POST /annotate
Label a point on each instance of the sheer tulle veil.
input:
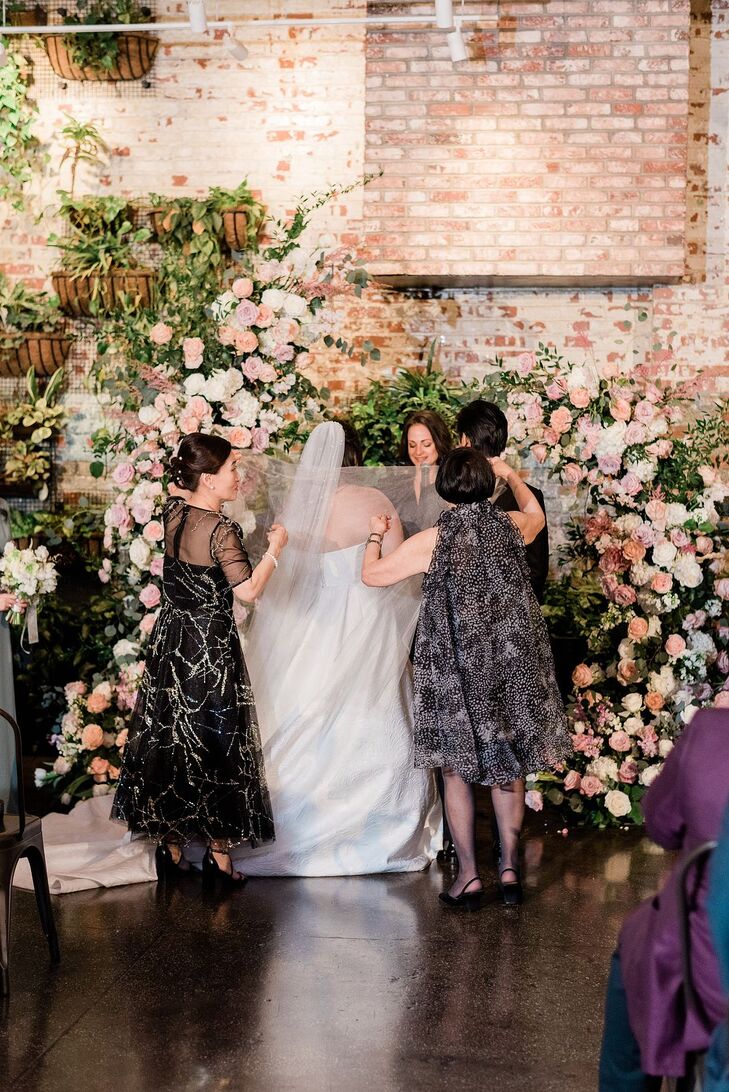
(326, 509)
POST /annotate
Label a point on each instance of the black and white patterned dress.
(193, 766)
(486, 698)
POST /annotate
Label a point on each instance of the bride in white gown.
(329, 664)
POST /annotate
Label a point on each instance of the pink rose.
(612, 560)
(246, 341)
(722, 662)
(561, 420)
(609, 464)
(265, 316)
(628, 771)
(121, 739)
(620, 741)
(634, 434)
(656, 511)
(267, 373)
(74, 690)
(580, 397)
(156, 567)
(633, 550)
(142, 511)
(572, 781)
(104, 575)
(707, 474)
(624, 595)
(533, 413)
(150, 596)
(627, 671)
(695, 620)
(246, 313)
(591, 785)
(555, 390)
(160, 333)
(662, 583)
(189, 423)
(192, 349)
(660, 448)
(250, 367)
(242, 287)
(97, 703)
(533, 800)
(284, 353)
(98, 765)
(526, 363)
(240, 437)
(199, 406)
(122, 474)
(679, 538)
(637, 629)
(92, 737)
(645, 411)
(582, 676)
(539, 451)
(620, 409)
(226, 335)
(156, 470)
(721, 587)
(153, 531)
(147, 623)
(551, 436)
(721, 701)
(572, 474)
(675, 645)
(704, 544)
(631, 484)
(259, 439)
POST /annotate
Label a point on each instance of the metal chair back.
(18, 748)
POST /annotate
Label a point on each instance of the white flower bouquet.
(29, 575)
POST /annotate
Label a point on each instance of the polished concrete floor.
(363, 985)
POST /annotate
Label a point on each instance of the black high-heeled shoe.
(212, 872)
(166, 864)
(511, 892)
(467, 900)
(447, 855)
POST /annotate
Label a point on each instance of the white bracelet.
(273, 559)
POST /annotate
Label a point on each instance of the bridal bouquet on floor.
(30, 575)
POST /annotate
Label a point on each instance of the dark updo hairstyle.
(352, 454)
(198, 453)
(437, 428)
(484, 426)
(464, 477)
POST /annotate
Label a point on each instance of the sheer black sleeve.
(227, 549)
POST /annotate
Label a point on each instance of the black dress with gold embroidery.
(193, 766)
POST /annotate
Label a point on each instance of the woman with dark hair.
(426, 440)
(192, 764)
(487, 705)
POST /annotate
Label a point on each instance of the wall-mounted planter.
(235, 228)
(136, 54)
(81, 297)
(29, 17)
(137, 283)
(45, 353)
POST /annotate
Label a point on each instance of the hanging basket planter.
(136, 56)
(45, 353)
(135, 283)
(30, 17)
(78, 296)
(235, 228)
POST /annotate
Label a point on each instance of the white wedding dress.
(337, 741)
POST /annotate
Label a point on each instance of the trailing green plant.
(381, 410)
(22, 309)
(20, 150)
(100, 51)
(84, 144)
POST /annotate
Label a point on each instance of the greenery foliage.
(22, 309)
(100, 51)
(20, 150)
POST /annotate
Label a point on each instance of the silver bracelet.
(273, 559)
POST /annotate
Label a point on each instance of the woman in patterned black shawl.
(193, 767)
(487, 706)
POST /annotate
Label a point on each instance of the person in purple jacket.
(648, 1032)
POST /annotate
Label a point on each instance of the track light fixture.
(456, 44)
(236, 49)
(197, 15)
(444, 15)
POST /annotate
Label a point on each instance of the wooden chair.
(21, 836)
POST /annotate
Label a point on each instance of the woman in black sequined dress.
(193, 767)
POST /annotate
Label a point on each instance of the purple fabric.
(683, 808)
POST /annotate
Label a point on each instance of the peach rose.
(242, 287)
(539, 451)
(627, 671)
(675, 645)
(246, 342)
(154, 531)
(265, 316)
(121, 739)
(114, 772)
(560, 420)
(192, 350)
(150, 596)
(92, 737)
(704, 544)
(97, 703)
(721, 701)
(147, 624)
(226, 335)
(240, 437)
(654, 701)
(721, 587)
(582, 676)
(591, 785)
(634, 551)
(656, 511)
(572, 474)
(662, 583)
(637, 629)
(580, 397)
(620, 409)
(572, 781)
(98, 765)
(160, 333)
(620, 741)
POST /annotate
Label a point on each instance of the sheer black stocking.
(508, 804)
(461, 813)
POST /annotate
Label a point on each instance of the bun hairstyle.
(199, 453)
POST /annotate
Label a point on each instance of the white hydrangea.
(125, 648)
(702, 642)
(274, 298)
(611, 440)
(194, 384)
(663, 681)
(295, 306)
(618, 803)
(688, 571)
(641, 574)
(676, 514)
(605, 768)
(644, 469)
(246, 409)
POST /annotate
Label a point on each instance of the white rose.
(649, 774)
(149, 415)
(39, 776)
(66, 799)
(61, 766)
(140, 553)
(664, 554)
(629, 522)
(247, 522)
(125, 648)
(626, 649)
(665, 747)
(618, 803)
(294, 305)
(223, 305)
(641, 574)
(687, 571)
(632, 725)
(688, 714)
(194, 384)
(676, 514)
(654, 626)
(632, 702)
(274, 298)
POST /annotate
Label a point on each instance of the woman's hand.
(278, 536)
(380, 525)
(501, 468)
(11, 602)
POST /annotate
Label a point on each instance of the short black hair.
(464, 477)
(484, 426)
